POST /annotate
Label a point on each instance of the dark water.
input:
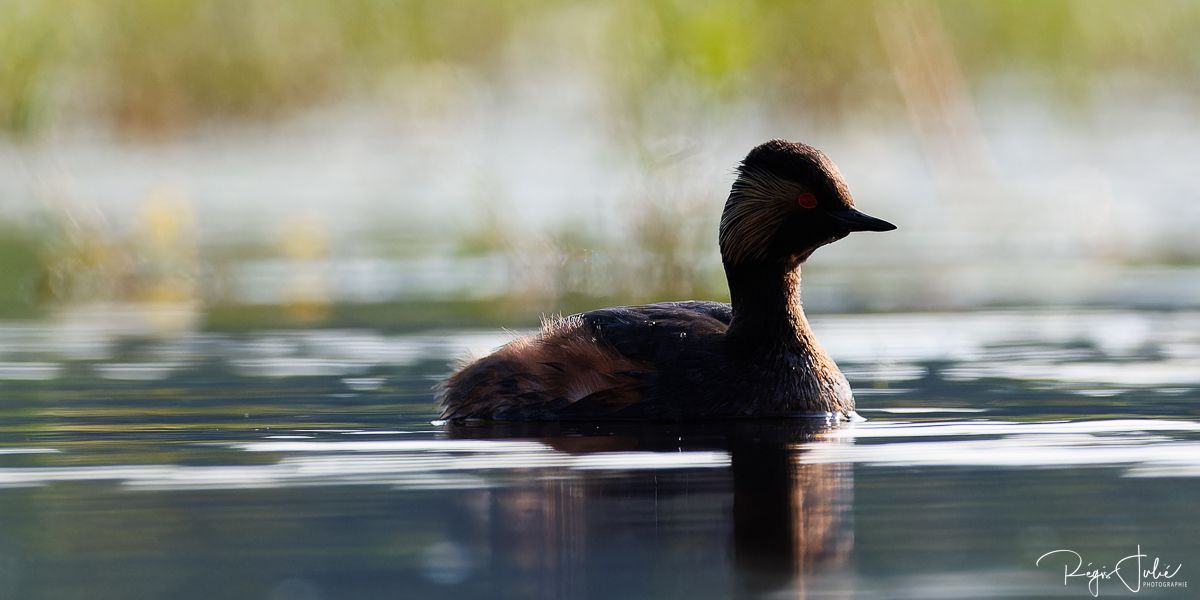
(305, 465)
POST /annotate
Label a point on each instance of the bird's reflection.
(787, 527)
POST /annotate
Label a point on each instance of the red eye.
(806, 200)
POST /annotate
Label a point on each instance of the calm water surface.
(305, 465)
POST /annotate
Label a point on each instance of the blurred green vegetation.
(63, 259)
(153, 68)
(148, 66)
(21, 271)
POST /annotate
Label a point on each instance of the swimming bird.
(754, 357)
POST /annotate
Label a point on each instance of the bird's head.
(788, 200)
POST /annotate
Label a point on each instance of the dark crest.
(801, 164)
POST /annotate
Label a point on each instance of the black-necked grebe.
(755, 357)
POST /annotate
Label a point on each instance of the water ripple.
(417, 464)
(1122, 443)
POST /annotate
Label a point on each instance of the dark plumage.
(755, 357)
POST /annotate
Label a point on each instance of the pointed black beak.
(857, 221)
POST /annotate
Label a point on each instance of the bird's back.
(643, 361)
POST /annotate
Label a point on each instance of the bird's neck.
(767, 315)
